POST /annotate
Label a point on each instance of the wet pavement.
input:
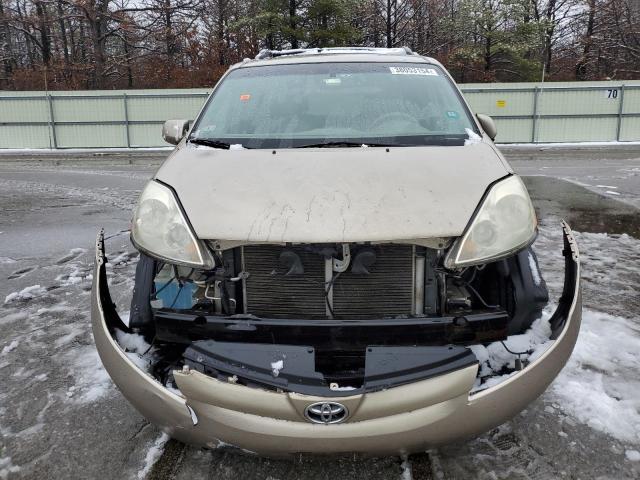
(60, 416)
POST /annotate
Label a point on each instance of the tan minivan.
(335, 258)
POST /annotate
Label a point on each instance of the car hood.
(331, 194)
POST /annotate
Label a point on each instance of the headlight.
(504, 223)
(160, 228)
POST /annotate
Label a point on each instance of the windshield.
(334, 104)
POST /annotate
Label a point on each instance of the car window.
(307, 104)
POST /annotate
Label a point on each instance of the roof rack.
(265, 53)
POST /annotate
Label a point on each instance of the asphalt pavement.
(60, 416)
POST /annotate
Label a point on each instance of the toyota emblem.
(326, 412)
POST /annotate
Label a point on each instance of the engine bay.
(334, 319)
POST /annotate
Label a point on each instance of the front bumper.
(402, 419)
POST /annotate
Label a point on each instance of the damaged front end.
(370, 347)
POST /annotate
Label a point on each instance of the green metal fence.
(560, 112)
(524, 113)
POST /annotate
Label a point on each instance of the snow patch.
(74, 331)
(73, 253)
(137, 349)
(543, 146)
(571, 180)
(495, 358)
(139, 361)
(406, 468)
(98, 150)
(13, 317)
(236, 146)
(58, 308)
(153, 454)
(473, 137)
(132, 342)
(76, 276)
(632, 455)
(91, 379)
(599, 384)
(26, 293)
(12, 346)
(7, 467)
(6, 260)
(276, 367)
(123, 258)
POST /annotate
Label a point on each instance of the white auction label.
(413, 71)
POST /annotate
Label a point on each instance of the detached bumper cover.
(403, 419)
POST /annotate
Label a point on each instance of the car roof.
(335, 54)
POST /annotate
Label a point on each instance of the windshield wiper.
(347, 144)
(209, 142)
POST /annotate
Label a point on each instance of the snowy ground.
(60, 416)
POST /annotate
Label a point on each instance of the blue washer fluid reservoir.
(173, 296)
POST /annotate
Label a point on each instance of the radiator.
(386, 291)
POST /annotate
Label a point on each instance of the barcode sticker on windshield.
(413, 71)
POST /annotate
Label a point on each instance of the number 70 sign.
(611, 93)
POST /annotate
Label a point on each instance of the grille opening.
(344, 367)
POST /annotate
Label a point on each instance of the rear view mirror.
(488, 125)
(174, 130)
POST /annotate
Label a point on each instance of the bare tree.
(154, 43)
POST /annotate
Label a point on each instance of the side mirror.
(174, 130)
(488, 125)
